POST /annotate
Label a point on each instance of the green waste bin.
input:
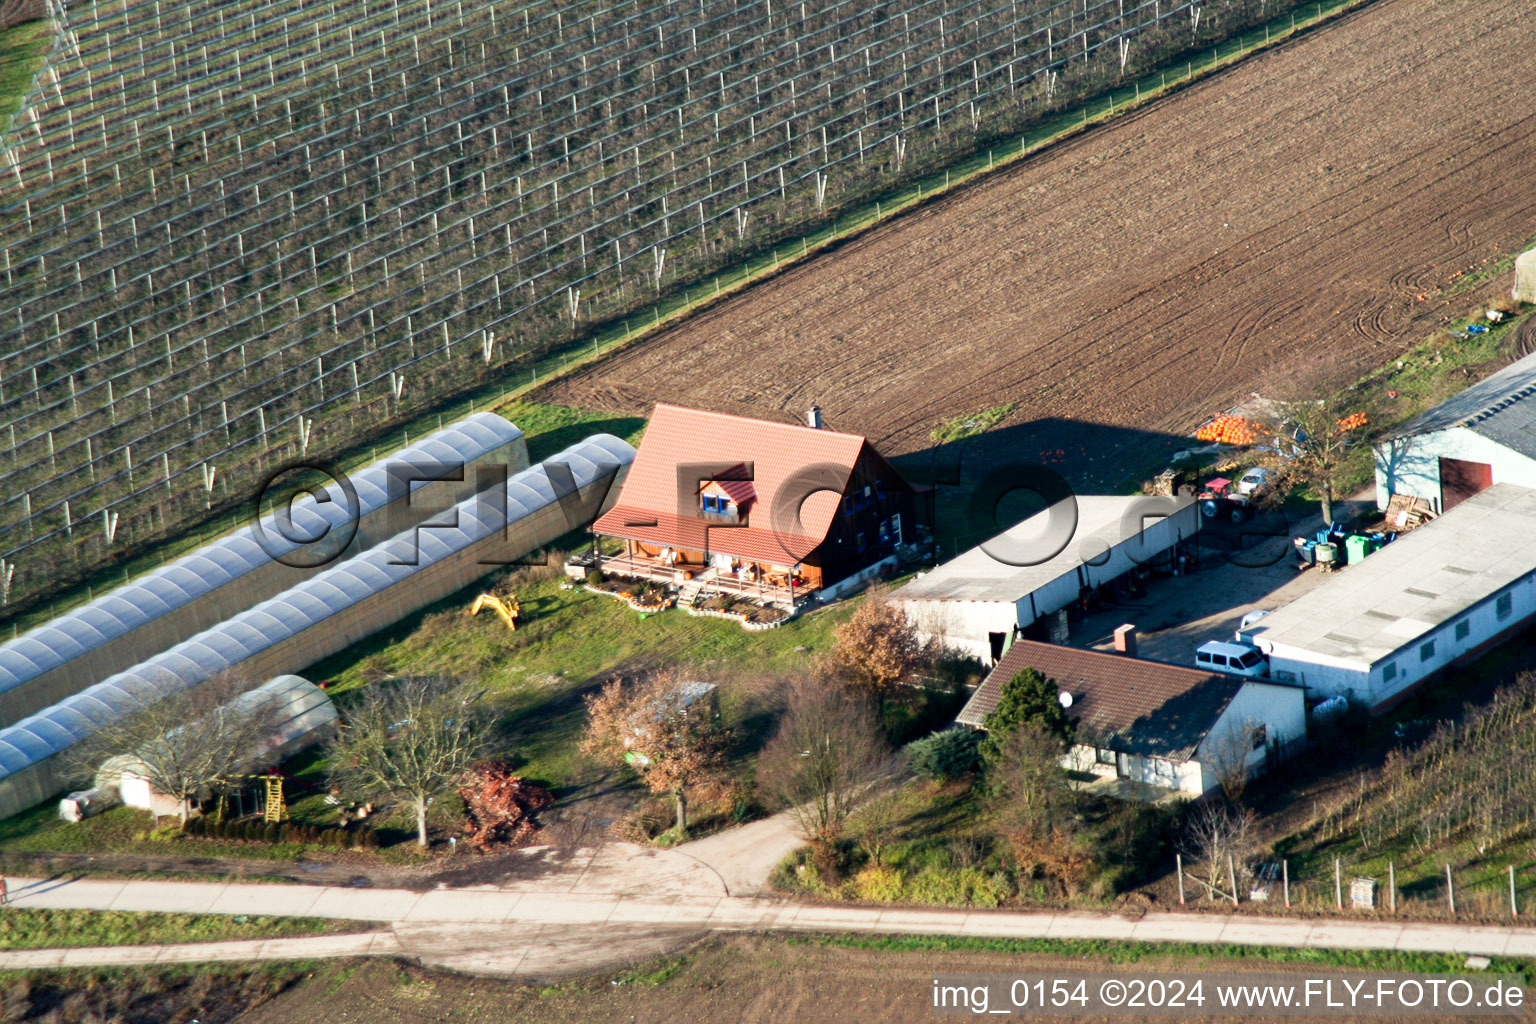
(1356, 547)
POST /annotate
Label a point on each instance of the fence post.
(1178, 860)
(1392, 886)
(1514, 908)
(1450, 891)
(1338, 886)
(1285, 880)
(1232, 879)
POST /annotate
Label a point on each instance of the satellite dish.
(1064, 699)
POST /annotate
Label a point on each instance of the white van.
(1234, 659)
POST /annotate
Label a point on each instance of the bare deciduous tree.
(672, 741)
(409, 739)
(875, 823)
(1228, 755)
(1325, 425)
(1217, 831)
(828, 748)
(186, 742)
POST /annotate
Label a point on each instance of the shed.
(1033, 571)
(1482, 436)
(1173, 728)
(304, 716)
(1446, 591)
(334, 608)
(224, 577)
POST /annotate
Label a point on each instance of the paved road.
(546, 933)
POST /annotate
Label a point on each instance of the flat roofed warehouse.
(223, 578)
(1043, 564)
(332, 609)
(1382, 626)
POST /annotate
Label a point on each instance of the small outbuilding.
(1028, 576)
(1471, 441)
(302, 715)
(1175, 729)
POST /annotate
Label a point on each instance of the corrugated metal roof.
(172, 586)
(1127, 704)
(659, 500)
(1420, 581)
(304, 605)
(1501, 407)
(989, 571)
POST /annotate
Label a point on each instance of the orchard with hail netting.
(241, 232)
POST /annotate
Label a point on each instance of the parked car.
(1256, 482)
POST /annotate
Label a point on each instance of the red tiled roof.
(739, 491)
(1132, 705)
(791, 465)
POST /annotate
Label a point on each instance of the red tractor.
(1222, 500)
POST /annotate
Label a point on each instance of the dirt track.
(1151, 272)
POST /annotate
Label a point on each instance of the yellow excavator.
(508, 608)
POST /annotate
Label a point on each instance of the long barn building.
(1435, 597)
(333, 608)
(132, 622)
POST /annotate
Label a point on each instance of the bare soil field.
(1317, 203)
(746, 978)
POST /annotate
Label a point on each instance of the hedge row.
(256, 831)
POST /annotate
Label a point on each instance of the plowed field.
(1308, 205)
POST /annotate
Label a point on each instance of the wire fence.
(272, 228)
(1486, 892)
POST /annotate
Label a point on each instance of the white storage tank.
(1525, 277)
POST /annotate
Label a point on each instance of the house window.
(1389, 672)
(1427, 651)
(711, 503)
(1503, 605)
(859, 540)
(1462, 629)
(1103, 755)
(1260, 736)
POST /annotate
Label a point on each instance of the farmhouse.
(1173, 728)
(774, 511)
(1482, 436)
(1447, 590)
(1028, 576)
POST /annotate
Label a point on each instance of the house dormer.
(727, 500)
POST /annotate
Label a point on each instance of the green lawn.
(22, 928)
(569, 642)
(22, 48)
(551, 428)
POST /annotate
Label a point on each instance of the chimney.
(1125, 640)
(813, 418)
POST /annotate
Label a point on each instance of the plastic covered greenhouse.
(225, 577)
(333, 609)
